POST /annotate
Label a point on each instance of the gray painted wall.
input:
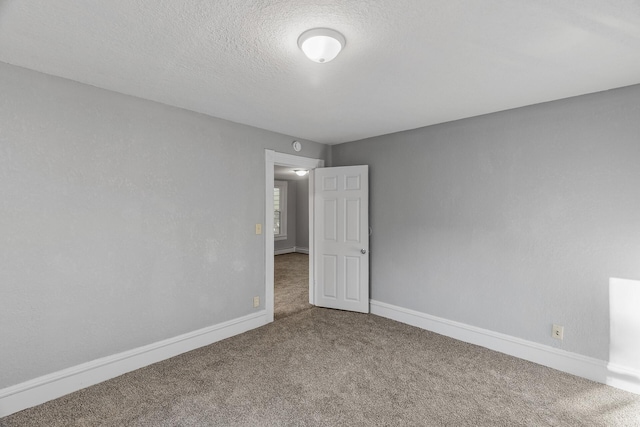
(510, 221)
(302, 213)
(297, 215)
(119, 224)
(290, 241)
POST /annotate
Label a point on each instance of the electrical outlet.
(256, 302)
(258, 228)
(557, 332)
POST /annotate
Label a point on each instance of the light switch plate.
(258, 228)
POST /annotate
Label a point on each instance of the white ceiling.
(288, 173)
(407, 63)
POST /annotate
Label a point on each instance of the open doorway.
(273, 159)
(291, 240)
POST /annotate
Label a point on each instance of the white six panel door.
(341, 233)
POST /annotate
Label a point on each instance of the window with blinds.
(280, 210)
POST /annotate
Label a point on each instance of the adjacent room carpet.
(323, 367)
(291, 284)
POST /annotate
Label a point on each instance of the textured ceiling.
(407, 63)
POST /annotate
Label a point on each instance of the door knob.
(363, 251)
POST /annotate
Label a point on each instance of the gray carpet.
(334, 368)
(291, 284)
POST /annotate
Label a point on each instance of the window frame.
(283, 186)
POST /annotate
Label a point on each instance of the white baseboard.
(586, 367)
(284, 251)
(57, 384)
(296, 249)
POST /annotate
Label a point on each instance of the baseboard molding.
(284, 251)
(296, 249)
(586, 367)
(57, 384)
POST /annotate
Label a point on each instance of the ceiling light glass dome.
(321, 44)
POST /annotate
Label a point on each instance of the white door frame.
(273, 158)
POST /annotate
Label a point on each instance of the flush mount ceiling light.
(321, 44)
(301, 172)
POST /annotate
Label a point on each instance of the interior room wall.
(120, 225)
(302, 213)
(292, 198)
(510, 221)
(297, 216)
